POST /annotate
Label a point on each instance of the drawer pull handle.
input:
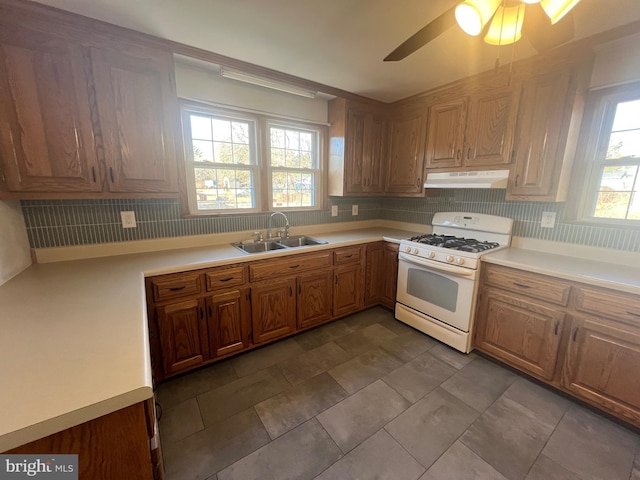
(555, 329)
(290, 292)
(226, 279)
(633, 314)
(521, 285)
(348, 256)
(294, 266)
(176, 289)
(575, 334)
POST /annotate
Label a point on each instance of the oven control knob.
(408, 249)
(416, 251)
(432, 254)
(460, 261)
(449, 258)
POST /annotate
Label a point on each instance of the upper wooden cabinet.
(472, 131)
(46, 137)
(83, 115)
(358, 134)
(137, 105)
(406, 152)
(549, 117)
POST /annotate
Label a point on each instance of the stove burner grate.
(454, 243)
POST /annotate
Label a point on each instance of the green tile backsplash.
(54, 223)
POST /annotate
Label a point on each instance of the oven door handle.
(437, 266)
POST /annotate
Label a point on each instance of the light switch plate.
(548, 220)
(128, 219)
(334, 210)
(354, 209)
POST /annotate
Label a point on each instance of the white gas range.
(437, 274)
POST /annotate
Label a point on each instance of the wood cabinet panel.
(225, 277)
(374, 276)
(176, 285)
(137, 110)
(347, 255)
(389, 274)
(227, 313)
(445, 137)
(530, 284)
(519, 331)
(406, 153)
(375, 140)
(273, 309)
(355, 148)
(278, 267)
(314, 298)
(601, 365)
(348, 295)
(617, 305)
(46, 138)
(183, 335)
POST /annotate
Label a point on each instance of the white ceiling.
(340, 43)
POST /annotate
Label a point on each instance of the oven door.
(441, 291)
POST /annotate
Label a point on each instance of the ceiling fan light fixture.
(506, 26)
(473, 15)
(556, 9)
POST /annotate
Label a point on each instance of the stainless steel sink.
(277, 244)
(258, 247)
(300, 241)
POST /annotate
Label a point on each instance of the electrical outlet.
(354, 209)
(334, 210)
(548, 220)
(128, 219)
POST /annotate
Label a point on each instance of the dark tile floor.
(369, 397)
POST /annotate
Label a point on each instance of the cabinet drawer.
(608, 303)
(530, 284)
(288, 265)
(177, 285)
(224, 277)
(344, 256)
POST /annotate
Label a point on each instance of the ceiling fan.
(500, 22)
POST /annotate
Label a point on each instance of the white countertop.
(624, 278)
(74, 343)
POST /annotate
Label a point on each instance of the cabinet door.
(389, 274)
(227, 315)
(183, 335)
(46, 137)
(406, 158)
(314, 298)
(348, 286)
(375, 139)
(520, 332)
(355, 150)
(602, 365)
(374, 276)
(490, 129)
(273, 309)
(445, 136)
(539, 150)
(137, 109)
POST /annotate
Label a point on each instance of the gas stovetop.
(454, 243)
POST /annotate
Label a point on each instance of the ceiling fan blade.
(541, 34)
(432, 30)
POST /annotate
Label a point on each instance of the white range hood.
(475, 179)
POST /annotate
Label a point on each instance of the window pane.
(292, 159)
(306, 160)
(277, 137)
(240, 132)
(200, 127)
(221, 188)
(277, 157)
(627, 116)
(241, 154)
(293, 140)
(296, 146)
(616, 197)
(624, 144)
(223, 152)
(306, 141)
(293, 189)
(202, 151)
(221, 130)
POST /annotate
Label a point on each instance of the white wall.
(617, 62)
(15, 254)
(197, 80)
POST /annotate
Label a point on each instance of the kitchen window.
(611, 157)
(239, 162)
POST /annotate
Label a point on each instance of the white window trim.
(263, 189)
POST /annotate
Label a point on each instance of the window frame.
(263, 189)
(587, 171)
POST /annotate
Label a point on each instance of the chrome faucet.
(286, 225)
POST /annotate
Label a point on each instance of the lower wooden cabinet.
(183, 335)
(602, 363)
(519, 331)
(228, 323)
(348, 294)
(389, 274)
(547, 333)
(314, 299)
(273, 309)
(374, 274)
